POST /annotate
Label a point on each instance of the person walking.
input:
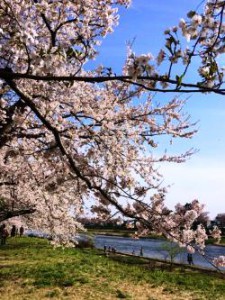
(3, 234)
(13, 231)
(190, 259)
(21, 230)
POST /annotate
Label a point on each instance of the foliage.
(171, 250)
(84, 241)
(220, 219)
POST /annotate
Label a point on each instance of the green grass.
(31, 269)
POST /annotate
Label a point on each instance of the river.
(156, 248)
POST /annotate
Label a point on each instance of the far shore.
(130, 233)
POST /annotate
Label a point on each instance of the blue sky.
(203, 176)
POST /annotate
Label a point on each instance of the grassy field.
(31, 269)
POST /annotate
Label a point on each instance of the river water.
(156, 248)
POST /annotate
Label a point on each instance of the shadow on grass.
(61, 275)
(23, 243)
(128, 260)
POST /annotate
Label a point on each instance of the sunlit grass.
(31, 269)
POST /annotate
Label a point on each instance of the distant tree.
(170, 251)
(203, 218)
(220, 220)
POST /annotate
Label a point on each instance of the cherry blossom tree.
(70, 136)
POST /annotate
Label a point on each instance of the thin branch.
(7, 74)
(5, 215)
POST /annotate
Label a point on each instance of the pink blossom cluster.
(219, 261)
(216, 233)
(136, 66)
(204, 34)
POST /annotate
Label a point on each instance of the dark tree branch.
(6, 74)
(7, 214)
(8, 127)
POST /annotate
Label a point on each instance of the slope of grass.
(31, 269)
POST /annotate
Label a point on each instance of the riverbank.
(31, 269)
(158, 249)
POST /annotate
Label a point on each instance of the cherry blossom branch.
(5, 74)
